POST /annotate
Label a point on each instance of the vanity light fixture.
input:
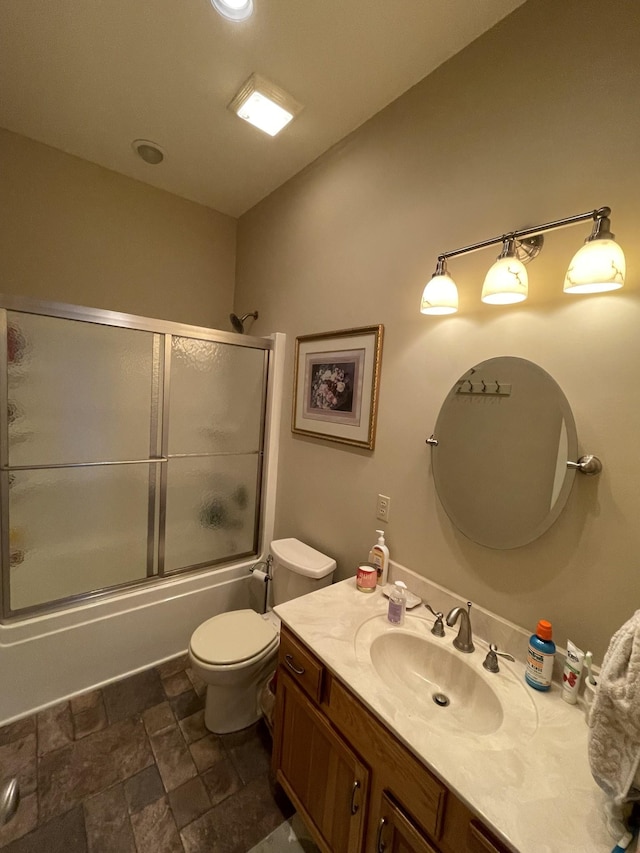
(507, 280)
(440, 296)
(264, 105)
(233, 10)
(597, 267)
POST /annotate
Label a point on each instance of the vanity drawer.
(301, 665)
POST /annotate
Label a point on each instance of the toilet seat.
(234, 638)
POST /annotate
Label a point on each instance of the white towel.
(614, 736)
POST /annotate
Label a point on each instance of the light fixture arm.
(601, 227)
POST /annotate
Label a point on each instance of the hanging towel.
(614, 736)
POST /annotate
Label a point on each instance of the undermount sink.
(432, 680)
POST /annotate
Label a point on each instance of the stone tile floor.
(131, 768)
(292, 836)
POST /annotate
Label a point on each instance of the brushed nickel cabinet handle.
(354, 805)
(288, 659)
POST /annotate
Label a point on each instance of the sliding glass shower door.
(216, 405)
(130, 449)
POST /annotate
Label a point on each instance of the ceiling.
(90, 76)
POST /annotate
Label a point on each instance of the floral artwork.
(336, 385)
(332, 387)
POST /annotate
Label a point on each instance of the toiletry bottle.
(571, 673)
(540, 656)
(397, 603)
(379, 556)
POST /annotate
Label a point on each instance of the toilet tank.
(298, 569)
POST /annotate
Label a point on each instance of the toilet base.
(230, 709)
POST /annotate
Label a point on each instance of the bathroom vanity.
(321, 729)
(371, 767)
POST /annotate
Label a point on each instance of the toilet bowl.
(235, 652)
(232, 653)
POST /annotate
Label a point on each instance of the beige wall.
(536, 120)
(75, 232)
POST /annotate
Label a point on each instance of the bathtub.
(47, 659)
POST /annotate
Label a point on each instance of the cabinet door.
(480, 840)
(325, 780)
(465, 833)
(397, 833)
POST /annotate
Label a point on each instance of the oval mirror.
(504, 435)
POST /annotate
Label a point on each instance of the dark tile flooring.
(131, 768)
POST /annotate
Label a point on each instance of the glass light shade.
(506, 282)
(596, 267)
(440, 296)
(234, 10)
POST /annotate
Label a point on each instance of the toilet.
(235, 652)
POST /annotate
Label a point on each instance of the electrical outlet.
(383, 508)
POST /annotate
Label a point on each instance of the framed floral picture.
(336, 385)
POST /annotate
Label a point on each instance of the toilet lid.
(233, 637)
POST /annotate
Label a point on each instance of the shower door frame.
(163, 332)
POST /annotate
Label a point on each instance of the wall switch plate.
(383, 507)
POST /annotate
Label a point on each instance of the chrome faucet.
(464, 641)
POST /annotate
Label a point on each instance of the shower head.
(238, 322)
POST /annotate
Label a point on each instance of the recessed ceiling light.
(233, 10)
(264, 105)
(148, 151)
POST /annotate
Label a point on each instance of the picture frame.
(336, 385)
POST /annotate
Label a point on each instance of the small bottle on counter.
(379, 557)
(366, 577)
(397, 603)
(542, 650)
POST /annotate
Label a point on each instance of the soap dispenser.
(397, 603)
(379, 556)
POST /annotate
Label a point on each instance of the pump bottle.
(379, 556)
(397, 603)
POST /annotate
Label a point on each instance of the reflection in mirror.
(504, 435)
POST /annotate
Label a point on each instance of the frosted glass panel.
(78, 392)
(211, 509)
(216, 397)
(74, 530)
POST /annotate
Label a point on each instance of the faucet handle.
(491, 661)
(438, 625)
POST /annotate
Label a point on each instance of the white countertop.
(532, 786)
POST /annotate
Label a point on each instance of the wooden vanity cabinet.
(357, 787)
(322, 775)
